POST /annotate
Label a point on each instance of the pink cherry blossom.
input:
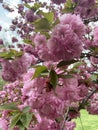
(96, 36)
(93, 107)
(13, 69)
(3, 124)
(75, 22)
(64, 43)
(48, 106)
(29, 15)
(70, 126)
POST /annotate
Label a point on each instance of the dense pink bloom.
(48, 106)
(64, 43)
(2, 94)
(71, 81)
(86, 8)
(70, 125)
(45, 54)
(29, 16)
(84, 2)
(88, 44)
(93, 107)
(34, 84)
(39, 40)
(8, 73)
(29, 49)
(75, 23)
(41, 48)
(11, 92)
(13, 69)
(83, 90)
(47, 124)
(69, 92)
(35, 96)
(29, 93)
(94, 60)
(96, 36)
(32, 88)
(3, 124)
(27, 77)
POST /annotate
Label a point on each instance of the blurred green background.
(87, 121)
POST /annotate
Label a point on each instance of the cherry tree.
(53, 73)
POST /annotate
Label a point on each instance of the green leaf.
(64, 63)
(6, 55)
(14, 120)
(39, 70)
(28, 6)
(77, 64)
(26, 119)
(36, 6)
(26, 109)
(49, 16)
(57, 21)
(53, 78)
(28, 41)
(44, 74)
(42, 25)
(9, 106)
(23, 119)
(94, 77)
(11, 54)
(20, 125)
(16, 53)
(69, 6)
(46, 34)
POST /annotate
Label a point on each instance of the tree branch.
(64, 119)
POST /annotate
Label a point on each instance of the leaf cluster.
(19, 118)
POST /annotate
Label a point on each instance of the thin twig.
(86, 99)
(91, 19)
(64, 119)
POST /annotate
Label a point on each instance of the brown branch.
(64, 119)
(87, 98)
(92, 19)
